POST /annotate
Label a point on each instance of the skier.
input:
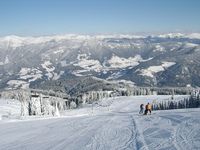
(141, 109)
(147, 108)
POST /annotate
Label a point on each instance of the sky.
(46, 17)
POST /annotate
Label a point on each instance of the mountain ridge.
(156, 60)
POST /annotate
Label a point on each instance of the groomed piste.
(111, 124)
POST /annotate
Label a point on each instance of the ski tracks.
(157, 134)
(186, 131)
(170, 131)
(187, 134)
(139, 138)
(117, 133)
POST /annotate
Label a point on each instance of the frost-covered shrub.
(57, 113)
(73, 105)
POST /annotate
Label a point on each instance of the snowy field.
(9, 109)
(112, 124)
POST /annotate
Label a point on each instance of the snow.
(78, 72)
(191, 45)
(18, 83)
(30, 74)
(126, 82)
(88, 64)
(166, 64)
(17, 41)
(47, 65)
(9, 108)
(194, 36)
(115, 75)
(24, 71)
(118, 36)
(172, 35)
(118, 45)
(159, 48)
(112, 124)
(57, 76)
(120, 62)
(150, 71)
(116, 62)
(145, 60)
(12, 40)
(82, 56)
(64, 63)
(6, 61)
(60, 50)
(179, 35)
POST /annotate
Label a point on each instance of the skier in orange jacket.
(147, 108)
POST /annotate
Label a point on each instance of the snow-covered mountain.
(65, 60)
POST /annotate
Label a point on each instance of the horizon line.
(103, 33)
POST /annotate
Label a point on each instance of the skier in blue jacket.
(141, 109)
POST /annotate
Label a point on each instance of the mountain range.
(62, 62)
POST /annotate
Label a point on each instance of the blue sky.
(45, 17)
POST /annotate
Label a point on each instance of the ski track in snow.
(171, 132)
(119, 127)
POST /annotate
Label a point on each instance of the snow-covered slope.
(155, 69)
(9, 109)
(109, 125)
